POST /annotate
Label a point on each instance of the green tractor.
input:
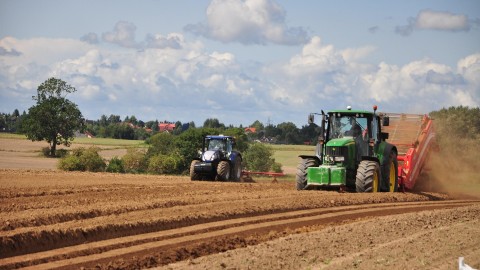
(351, 154)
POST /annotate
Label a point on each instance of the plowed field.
(52, 219)
(57, 220)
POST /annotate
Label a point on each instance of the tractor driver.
(355, 129)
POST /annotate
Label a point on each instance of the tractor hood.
(211, 155)
(340, 141)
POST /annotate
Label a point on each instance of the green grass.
(287, 155)
(12, 136)
(110, 142)
(85, 140)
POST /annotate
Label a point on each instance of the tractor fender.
(234, 155)
(371, 159)
(313, 157)
(384, 163)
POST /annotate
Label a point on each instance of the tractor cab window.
(229, 146)
(348, 125)
(214, 145)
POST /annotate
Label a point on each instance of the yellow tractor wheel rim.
(392, 177)
(375, 181)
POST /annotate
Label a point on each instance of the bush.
(59, 153)
(277, 167)
(134, 161)
(82, 159)
(92, 161)
(71, 163)
(258, 157)
(115, 165)
(164, 164)
(161, 143)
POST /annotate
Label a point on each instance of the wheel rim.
(375, 181)
(392, 177)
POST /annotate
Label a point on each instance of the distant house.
(166, 127)
(250, 130)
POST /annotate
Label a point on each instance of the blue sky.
(241, 60)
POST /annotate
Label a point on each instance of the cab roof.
(217, 137)
(351, 111)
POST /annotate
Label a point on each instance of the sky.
(241, 60)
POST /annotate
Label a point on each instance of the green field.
(90, 141)
(287, 155)
(110, 142)
(12, 136)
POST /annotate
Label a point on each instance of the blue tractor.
(218, 161)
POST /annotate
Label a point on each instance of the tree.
(54, 118)
(213, 123)
(258, 157)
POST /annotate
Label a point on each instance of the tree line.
(56, 119)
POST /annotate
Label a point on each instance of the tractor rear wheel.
(223, 171)
(391, 172)
(368, 176)
(193, 175)
(237, 170)
(302, 167)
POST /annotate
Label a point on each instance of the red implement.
(413, 135)
(247, 175)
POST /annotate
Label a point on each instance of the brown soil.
(53, 219)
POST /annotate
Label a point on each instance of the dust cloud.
(453, 167)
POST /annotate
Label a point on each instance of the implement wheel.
(368, 176)
(223, 171)
(193, 175)
(302, 167)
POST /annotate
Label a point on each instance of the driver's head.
(356, 129)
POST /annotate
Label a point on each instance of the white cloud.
(91, 38)
(173, 41)
(469, 67)
(123, 34)
(429, 19)
(435, 20)
(193, 83)
(315, 58)
(248, 22)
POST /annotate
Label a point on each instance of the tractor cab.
(217, 147)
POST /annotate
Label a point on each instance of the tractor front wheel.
(193, 175)
(368, 176)
(302, 167)
(223, 171)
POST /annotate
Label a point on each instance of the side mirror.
(385, 121)
(311, 118)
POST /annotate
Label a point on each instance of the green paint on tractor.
(352, 153)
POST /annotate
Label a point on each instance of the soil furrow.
(160, 242)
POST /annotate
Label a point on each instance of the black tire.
(302, 167)
(368, 176)
(193, 175)
(237, 170)
(223, 171)
(391, 173)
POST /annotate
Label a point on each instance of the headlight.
(339, 159)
